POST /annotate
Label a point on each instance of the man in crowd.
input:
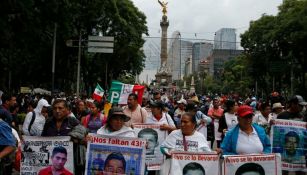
(8, 101)
(134, 110)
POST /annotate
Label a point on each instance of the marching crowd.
(229, 125)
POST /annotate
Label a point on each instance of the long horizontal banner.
(194, 163)
(261, 164)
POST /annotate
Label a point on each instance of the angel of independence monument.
(164, 76)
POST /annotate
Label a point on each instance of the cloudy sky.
(204, 17)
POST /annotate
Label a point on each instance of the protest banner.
(289, 139)
(108, 155)
(188, 163)
(154, 137)
(260, 164)
(37, 153)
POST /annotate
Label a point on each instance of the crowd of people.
(229, 124)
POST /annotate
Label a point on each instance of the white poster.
(41, 154)
(194, 163)
(258, 164)
(289, 139)
(154, 137)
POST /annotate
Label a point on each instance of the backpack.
(32, 121)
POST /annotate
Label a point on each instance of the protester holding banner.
(159, 117)
(295, 107)
(262, 118)
(229, 120)
(63, 125)
(115, 124)
(134, 110)
(186, 138)
(240, 138)
(95, 119)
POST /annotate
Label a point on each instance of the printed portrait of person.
(58, 160)
(193, 168)
(152, 139)
(290, 153)
(115, 163)
(250, 169)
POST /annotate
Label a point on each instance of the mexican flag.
(119, 92)
(98, 93)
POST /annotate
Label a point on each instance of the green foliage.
(275, 45)
(26, 39)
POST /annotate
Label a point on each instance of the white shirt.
(166, 119)
(231, 120)
(249, 144)
(260, 120)
(37, 126)
(195, 143)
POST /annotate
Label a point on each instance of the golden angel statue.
(163, 5)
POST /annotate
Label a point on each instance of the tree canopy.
(26, 38)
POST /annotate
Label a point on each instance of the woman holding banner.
(186, 138)
(246, 138)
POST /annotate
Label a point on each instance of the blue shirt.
(6, 135)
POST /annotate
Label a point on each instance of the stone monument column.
(164, 76)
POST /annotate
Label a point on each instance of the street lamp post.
(53, 56)
(79, 67)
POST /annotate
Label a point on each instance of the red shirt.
(48, 171)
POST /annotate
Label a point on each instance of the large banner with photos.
(194, 163)
(262, 164)
(154, 137)
(39, 154)
(108, 155)
(289, 138)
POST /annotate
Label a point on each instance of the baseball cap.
(244, 110)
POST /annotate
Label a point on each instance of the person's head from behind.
(250, 169)
(193, 168)
(116, 119)
(296, 104)
(152, 139)
(188, 123)
(59, 157)
(292, 140)
(60, 109)
(115, 163)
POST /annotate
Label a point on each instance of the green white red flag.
(119, 92)
(98, 93)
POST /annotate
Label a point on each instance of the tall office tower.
(225, 38)
(201, 50)
(178, 52)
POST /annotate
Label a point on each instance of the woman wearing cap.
(115, 124)
(157, 116)
(95, 119)
(246, 138)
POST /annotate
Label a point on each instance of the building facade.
(225, 38)
(201, 50)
